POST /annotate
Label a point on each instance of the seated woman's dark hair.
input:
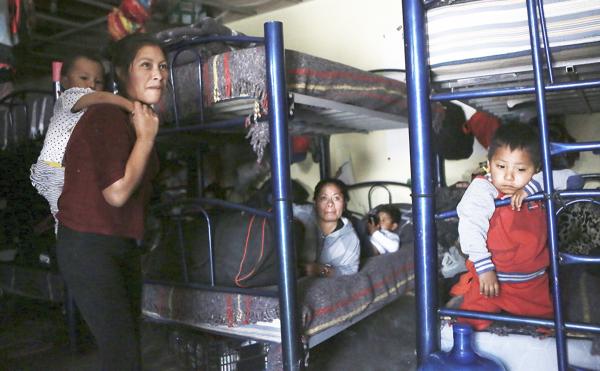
(123, 53)
(338, 183)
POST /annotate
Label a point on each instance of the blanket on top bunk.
(242, 74)
(324, 303)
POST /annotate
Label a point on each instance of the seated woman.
(338, 247)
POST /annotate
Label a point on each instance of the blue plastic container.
(462, 356)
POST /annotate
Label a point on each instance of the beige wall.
(366, 37)
(586, 128)
(371, 37)
(346, 31)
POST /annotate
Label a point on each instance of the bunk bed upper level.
(218, 75)
(500, 54)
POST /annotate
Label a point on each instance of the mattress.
(241, 75)
(327, 305)
(502, 40)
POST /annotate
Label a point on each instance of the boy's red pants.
(531, 298)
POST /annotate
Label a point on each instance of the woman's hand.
(145, 122)
(318, 270)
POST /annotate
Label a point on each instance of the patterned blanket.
(324, 302)
(241, 74)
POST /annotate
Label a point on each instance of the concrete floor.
(33, 337)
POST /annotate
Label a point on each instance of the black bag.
(451, 138)
(245, 255)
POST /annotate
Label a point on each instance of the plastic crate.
(201, 351)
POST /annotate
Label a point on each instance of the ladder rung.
(567, 259)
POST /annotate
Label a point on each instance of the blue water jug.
(462, 356)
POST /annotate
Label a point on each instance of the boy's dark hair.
(123, 53)
(338, 183)
(517, 136)
(392, 211)
(69, 61)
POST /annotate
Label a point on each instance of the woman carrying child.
(109, 163)
(82, 77)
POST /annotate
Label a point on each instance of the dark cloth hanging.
(452, 139)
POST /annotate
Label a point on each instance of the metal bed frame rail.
(329, 117)
(282, 209)
(310, 114)
(417, 79)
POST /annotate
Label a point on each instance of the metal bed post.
(561, 345)
(200, 174)
(278, 114)
(440, 170)
(325, 160)
(417, 83)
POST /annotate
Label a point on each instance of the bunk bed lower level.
(327, 305)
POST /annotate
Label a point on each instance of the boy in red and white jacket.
(506, 247)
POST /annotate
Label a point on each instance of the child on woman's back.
(382, 228)
(506, 247)
(81, 76)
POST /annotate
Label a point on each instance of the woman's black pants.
(103, 275)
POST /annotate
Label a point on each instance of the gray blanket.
(324, 302)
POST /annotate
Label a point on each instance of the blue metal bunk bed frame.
(282, 208)
(417, 79)
(280, 109)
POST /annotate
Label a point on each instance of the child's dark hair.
(70, 60)
(392, 211)
(123, 53)
(338, 183)
(517, 136)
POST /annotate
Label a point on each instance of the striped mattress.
(486, 37)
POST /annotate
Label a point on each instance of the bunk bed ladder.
(417, 76)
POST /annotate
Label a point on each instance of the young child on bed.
(81, 76)
(506, 247)
(382, 229)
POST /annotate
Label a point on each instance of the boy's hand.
(516, 200)
(145, 121)
(488, 284)
(372, 227)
